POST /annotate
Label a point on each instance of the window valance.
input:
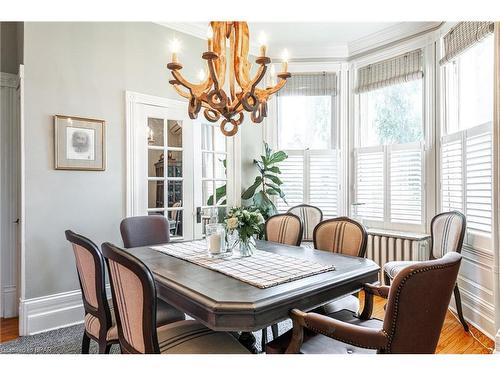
(310, 84)
(398, 69)
(462, 36)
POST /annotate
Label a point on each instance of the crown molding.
(379, 39)
(390, 34)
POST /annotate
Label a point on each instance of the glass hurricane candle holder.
(216, 240)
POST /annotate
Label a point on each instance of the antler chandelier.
(244, 95)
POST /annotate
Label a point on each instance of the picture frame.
(79, 143)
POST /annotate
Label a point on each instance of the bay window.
(466, 143)
(307, 132)
(389, 143)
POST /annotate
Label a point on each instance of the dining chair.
(310, 216)
(345, 236)
(99, 320)
(134, 293)
(447, 235)
(416, 308)
(150, 230)
(284, 228)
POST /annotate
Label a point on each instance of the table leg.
(247, 339)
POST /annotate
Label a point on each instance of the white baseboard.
(9, 302)
(46, 313)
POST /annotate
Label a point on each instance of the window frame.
(340, 120)
(473, 239)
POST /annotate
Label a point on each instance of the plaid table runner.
(263, 269)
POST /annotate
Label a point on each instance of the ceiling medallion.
(244, 95)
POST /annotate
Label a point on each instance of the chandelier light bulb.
(284, 57)
(263, 43)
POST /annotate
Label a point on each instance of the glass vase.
(247, 247)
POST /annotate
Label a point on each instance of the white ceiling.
(319, 39)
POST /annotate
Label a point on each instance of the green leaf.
(220, 193)
(277, 157)
(247, 194)
(271, 192)
(268, 149)
(274, 169)
(274, 179)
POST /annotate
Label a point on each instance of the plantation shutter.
(406, 183)
(479, 166)
(452, 194)
(463, 36)
(323, 181)
(292, 175)
(370, 183)
(466, 176)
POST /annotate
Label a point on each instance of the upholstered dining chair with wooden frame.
(447, 235)
(310, 216)
(416, 308)
(150, 230)
(134, 295)
(345, 236)
(99, 324)
(284, 228)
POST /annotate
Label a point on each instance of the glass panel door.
(211, 187)
(169, 169)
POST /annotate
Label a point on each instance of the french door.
(161, 163)
(176, 167)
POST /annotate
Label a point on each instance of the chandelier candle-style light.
(244, 95)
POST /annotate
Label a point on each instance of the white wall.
(83, 69)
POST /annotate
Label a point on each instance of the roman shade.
(310, 84)
(462, 36)
(398, 69)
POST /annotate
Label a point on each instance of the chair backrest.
(134, 298)
(417, 304)
(284, 228)
(341, 235)
(310, 216)
(144, 230)
(447, 233)
(91, 274)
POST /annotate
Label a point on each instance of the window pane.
(206, 136)
(174, 193)
(175, 164)
(207, 169)
(155, 163)
(305, 122)
(220, 168)
(155, 194)
(155, 132)
(174, 133)
(391, 115)
(475, 80)
(175, 222)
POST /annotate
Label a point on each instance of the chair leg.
(274, 329)
(85, 343)
(387, 279)
(458, 303)
(264, 339)
(104, 348)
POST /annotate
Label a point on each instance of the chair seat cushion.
(166, 313)
(315, 343)
(391, 269)
(192, 337)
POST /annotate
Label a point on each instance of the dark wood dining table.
(224, 303)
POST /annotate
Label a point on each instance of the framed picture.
(80, 143)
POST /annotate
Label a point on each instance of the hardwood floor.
(453, 340)
(9, 329)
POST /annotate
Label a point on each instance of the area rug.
(69, 341)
